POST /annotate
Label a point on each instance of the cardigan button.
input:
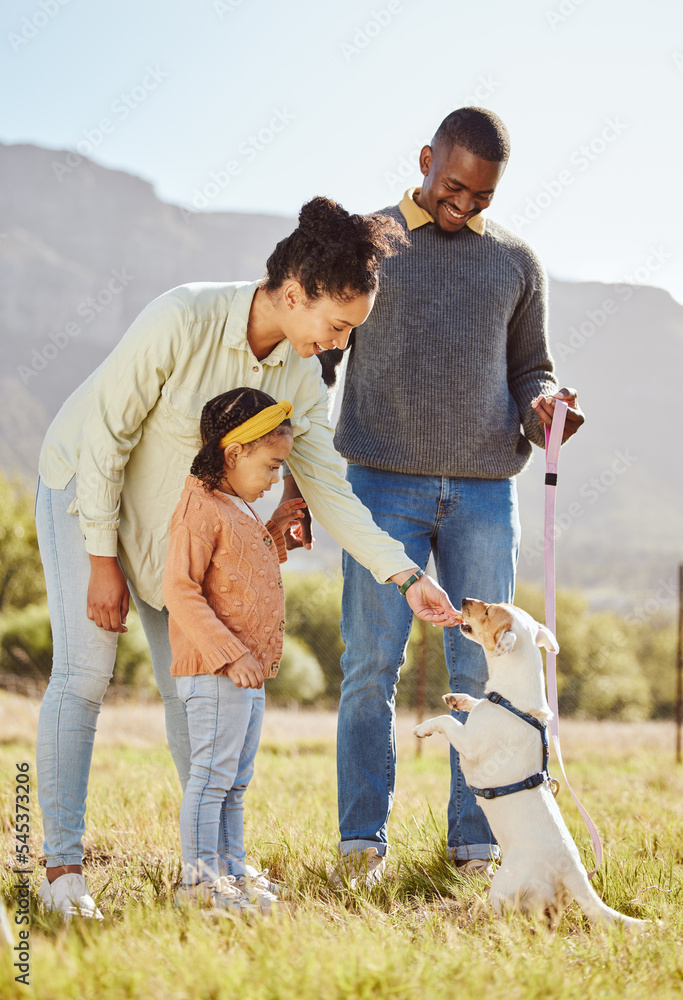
(268, 540)
(279, 583)
(282, 626)
(274, 667)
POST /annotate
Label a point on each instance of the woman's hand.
(245, 672)
(108, 595)
(428, 600)
(288, 514)
(299, 536)
(545, 407)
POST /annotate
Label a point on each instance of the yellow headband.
(262, 423)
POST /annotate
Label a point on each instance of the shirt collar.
(235, 332)
(416, 216)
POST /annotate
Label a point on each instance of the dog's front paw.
(424, 729)
(460, 702)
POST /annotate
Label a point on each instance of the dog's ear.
(505, 640)
(544, 637)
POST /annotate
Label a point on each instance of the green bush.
(312, 615)
(300, 678)
(21, 572)
(26, 648)
(26, 642)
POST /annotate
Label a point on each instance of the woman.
(119, 450)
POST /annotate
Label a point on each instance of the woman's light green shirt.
(131, 430)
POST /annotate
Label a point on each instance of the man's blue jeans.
(472, 527)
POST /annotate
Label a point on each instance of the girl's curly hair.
(220, 416)
(334, 253)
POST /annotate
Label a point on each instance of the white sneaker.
(69, 894)
(364, 867)
(222, 894)
(259, 891)
(476, 868)
(277, 890)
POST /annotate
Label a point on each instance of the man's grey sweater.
(442, 374)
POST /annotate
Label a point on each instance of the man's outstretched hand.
(545, 406)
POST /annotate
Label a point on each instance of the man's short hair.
(479, 131)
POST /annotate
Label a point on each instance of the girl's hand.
(289, 513)
(299, 536)
(245, 672)
(108, 595)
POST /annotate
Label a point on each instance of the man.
(448, 382)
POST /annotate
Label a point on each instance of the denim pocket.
(185, 688)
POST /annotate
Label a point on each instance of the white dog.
(541, 870)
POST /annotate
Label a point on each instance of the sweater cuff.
(224, 654)
(273, 530)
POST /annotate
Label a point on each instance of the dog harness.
(534, 780)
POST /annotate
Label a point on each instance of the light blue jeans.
(225, 728)
(83, 662)
(472, 528)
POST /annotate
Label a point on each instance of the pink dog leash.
(553, 441)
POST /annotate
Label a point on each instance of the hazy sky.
(256, 105)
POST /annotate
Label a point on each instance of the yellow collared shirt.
(130, 431)
(416, 216)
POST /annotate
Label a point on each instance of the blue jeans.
(472, 528)
(82, 665)
(225, 728)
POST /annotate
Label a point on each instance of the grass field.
(420, 933)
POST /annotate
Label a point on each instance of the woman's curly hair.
(334, 253)
(220, 416)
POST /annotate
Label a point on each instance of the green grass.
(420, 933)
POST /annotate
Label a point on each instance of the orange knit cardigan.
(222, 585)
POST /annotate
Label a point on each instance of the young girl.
(223, 591)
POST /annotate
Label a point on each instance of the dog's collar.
(534, 780)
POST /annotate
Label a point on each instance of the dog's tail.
(577, 884)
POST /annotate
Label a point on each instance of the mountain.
(83, 250)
